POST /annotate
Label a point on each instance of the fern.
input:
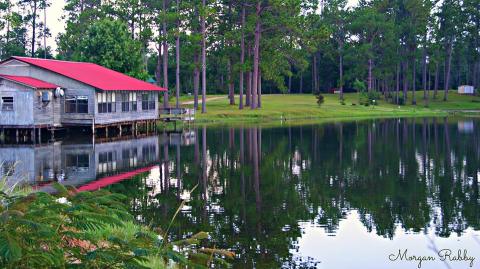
(72, 229)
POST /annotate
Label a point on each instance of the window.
(125, 102)
(129, 157)
(76, 104)
(107, 162)
(106, 102)
(77, 162)
(133, 101)
(129, 102)
(7, 103)
(148, 101)
(149, 153)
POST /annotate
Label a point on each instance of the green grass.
(282, 107)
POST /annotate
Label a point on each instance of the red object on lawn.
(30, 82)
(91, 74)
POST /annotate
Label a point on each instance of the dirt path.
(200, 100)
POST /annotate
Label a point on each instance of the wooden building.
(41, 93)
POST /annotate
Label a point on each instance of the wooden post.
(106, 131)
(53, 133)
(16, 135)
(40, 135)
(32, 135)
(2, 135)
(120, 129)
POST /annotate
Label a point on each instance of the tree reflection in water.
(256, 184)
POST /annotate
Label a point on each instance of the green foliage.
(320, 99)
(369, 98)
(81, 230)
(359, 85)
(108, 43)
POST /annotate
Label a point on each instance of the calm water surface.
(341, 195)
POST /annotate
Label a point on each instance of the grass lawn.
(304, 107)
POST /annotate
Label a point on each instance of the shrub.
(320, 99)
(85, 230)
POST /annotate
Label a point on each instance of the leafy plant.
(85, 230)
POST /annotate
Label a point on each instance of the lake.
(365, 194)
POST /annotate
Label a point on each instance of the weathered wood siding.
(120, 116)
(46, 113)
(73, 87)
(22, 113)
(79, 118)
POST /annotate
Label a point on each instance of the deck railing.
(172, 114)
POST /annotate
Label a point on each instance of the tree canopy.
(264, 46)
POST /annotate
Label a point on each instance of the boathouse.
(41, 93)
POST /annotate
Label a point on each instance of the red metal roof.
(30, 82)
(92, 74)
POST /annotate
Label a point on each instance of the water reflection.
(79, 161)
(257, 184)
(276, 196)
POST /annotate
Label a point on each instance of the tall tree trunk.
(477, 75)
(340, 71)
(315, 74)
(34, 26)
(196, 81)
(8, 26)
(177, 58)
(289, 84)
(248, 97)
(435, 84)
(204, 59)
(259, 89)
(242, 60)
(405, 82)
(256, 57)
(231, 85)
(165, 57)
(231, 95)
(196, 71)
(370, 79)
(447, 70)
(414, 80)
(397, 83)
(158, 69)
(301, 83)
(424, 79)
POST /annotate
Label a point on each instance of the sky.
(56, 25)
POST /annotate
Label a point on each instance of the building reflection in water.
(78, 161)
